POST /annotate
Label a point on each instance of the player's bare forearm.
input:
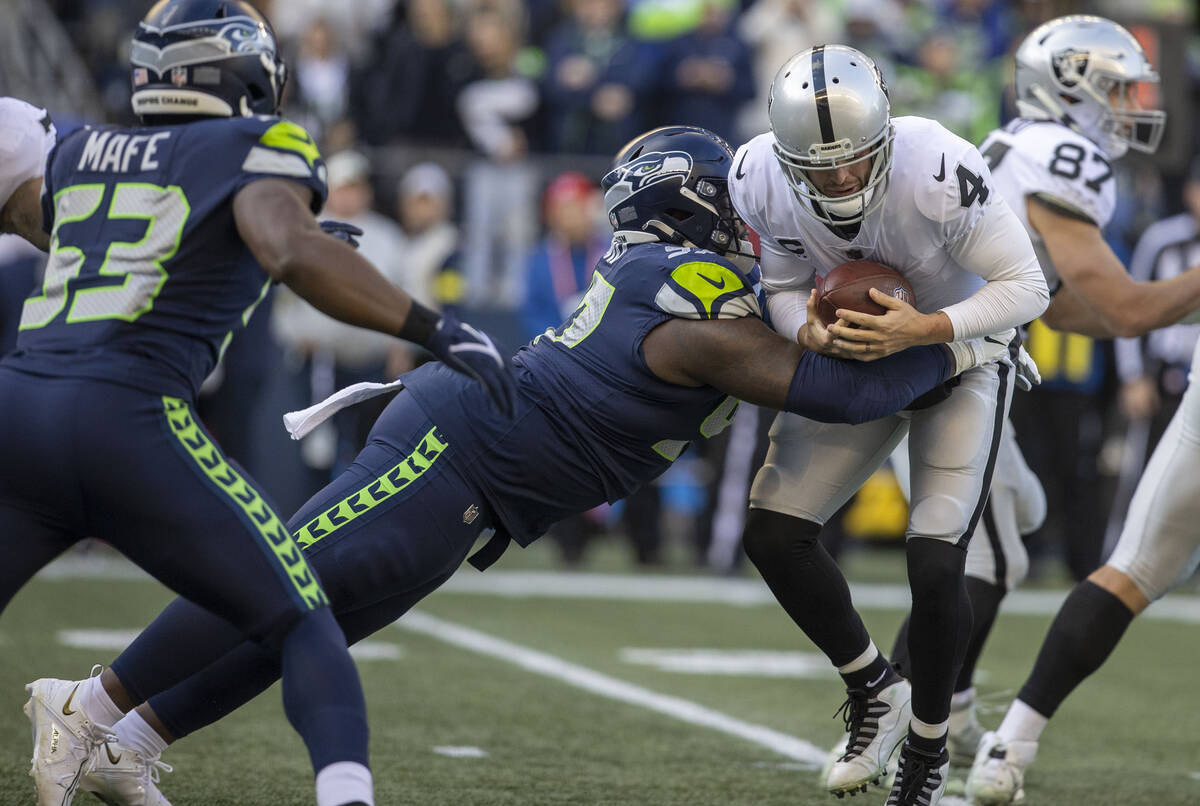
(1119, 306)
(22, 215)
(274, 220)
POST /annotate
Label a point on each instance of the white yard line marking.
(746, 592)
(460, 751)
(592, 681)
(740, 662)
(117, 640)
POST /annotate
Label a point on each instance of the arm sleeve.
(997, 248)
(832, 390)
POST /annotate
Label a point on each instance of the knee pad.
(770, 536)
(939, 516)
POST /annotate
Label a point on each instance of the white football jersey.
(1047, 159)
(939, 189)
(26, 137)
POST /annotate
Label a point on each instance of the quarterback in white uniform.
(26, 137)
(838, 179)
(1077, 85)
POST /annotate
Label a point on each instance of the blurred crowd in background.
(467, 137)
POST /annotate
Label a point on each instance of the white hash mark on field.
(117, 640)
(600, 684)
(741, 662)
(460, 751)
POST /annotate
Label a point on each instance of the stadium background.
(466, 136)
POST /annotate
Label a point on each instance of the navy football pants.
(83, 458)
(382, 536)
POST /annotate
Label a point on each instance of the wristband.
(420, 325)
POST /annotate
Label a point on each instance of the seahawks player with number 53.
(665, 341)
(163, 240)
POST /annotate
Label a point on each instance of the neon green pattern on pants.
(273, 531)
(411, 468)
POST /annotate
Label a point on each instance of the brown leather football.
(847, 285)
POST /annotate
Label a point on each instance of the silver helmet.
(1071, 69)
(829, 108)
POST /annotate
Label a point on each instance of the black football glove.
(470, 351)
(343, 231)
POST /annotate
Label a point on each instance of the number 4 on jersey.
(971, 187)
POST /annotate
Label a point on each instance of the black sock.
(985, 602)
(933, 747)
(1084, 633)
(876, 675)
(806, 581)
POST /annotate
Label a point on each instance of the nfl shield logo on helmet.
(179, 76)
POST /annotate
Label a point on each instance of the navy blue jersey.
(148, 278)
(594, 423)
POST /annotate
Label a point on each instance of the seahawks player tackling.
(665, 341)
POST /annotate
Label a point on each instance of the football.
(847, 286)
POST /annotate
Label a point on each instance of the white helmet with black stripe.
(829, 108)
(1072, 69)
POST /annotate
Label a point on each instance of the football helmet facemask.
(1067, 68)
(829, 108)
(208, 58)
(673, 183)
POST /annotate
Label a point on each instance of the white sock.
(928, 731)
(862, 661)
(136, 734)
(344, 782)
(1021, 723)
(96, 703)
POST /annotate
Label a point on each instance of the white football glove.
(977, 352)
(1027, 371)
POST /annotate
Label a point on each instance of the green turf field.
(1130, 736)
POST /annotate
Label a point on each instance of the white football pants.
(1160, 543)
(813, 468)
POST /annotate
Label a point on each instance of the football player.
(836, 179)
(163, 240)
(666, 340)
(1080, 81)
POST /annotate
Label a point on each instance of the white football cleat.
(962, 742)
(64, 740)
(875, 726)
(998, 774)
(921, 778)
(120, 776)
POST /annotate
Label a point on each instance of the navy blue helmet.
(208, 58)
(673, 182)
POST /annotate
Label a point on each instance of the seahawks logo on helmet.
(1069, 66)
(650, 169)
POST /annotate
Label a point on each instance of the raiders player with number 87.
(837, 179)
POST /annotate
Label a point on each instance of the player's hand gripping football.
(472, 352)
(813, 335)
(867, 338)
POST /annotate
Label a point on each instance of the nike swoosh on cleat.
(111, 758)
(941, 174)
(738, 173)
(874, 682)
(66, 709)
(719, 286)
